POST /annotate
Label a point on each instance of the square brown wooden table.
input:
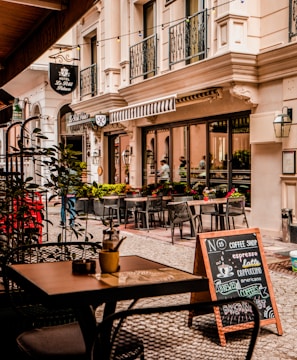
(54, 284)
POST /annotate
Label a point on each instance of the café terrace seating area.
(139, 322)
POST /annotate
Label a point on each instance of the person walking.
(164, 172)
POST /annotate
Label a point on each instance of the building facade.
(199, 79)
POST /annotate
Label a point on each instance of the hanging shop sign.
(63, 78)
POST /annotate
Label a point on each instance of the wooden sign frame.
(235, 265)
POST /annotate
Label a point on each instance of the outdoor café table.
(54, 284)
(143, 199)
(218, 201)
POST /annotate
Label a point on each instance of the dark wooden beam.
(49, 31)
(45, 4)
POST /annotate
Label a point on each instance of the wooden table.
(54, 284)
(218, 201)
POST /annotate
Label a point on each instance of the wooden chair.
(234, 207)
(165, 334)
(179, 213)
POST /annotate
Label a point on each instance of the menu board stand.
(235, 265)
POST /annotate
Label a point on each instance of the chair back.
(154, 203)
(31, 312)
(112, 201)
(235, 206)
(163, 332)
(179, 212)
(182, 198)
(131, 204)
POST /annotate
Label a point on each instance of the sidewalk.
(156, 245)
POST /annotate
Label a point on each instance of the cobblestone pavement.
(156, 245)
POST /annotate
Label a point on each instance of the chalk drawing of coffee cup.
(225, 270)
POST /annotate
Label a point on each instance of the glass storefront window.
(156, 149)
(179, 154)
(215, 153)
(241, 157)
(218, 156)
(198, 154)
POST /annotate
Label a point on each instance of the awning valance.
(144, 109)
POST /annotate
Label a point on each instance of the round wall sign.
(100, 170)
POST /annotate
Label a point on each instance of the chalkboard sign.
(235, 264)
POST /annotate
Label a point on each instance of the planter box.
(98, 207)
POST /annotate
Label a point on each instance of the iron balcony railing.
(88, 81)
(188, 39)
(143, 58)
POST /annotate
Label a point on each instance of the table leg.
(222, 219)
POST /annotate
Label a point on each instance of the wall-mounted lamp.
(126, 155)
(17, 111)
(282, 123)
(149, 157)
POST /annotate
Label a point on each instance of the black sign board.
(63, 77)
(235, 264)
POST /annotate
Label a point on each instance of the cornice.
(215, 72)
(277, 63)
(99, 104)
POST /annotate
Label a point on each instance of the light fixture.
(126, 155)
(282, 123)
(17, 112)
(149, 157)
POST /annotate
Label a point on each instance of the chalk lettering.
(237, 244)
(249, 272)
(252, 263)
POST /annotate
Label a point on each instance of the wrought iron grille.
(188, 39)
(143, 58)
(88, 81)
(292, 19)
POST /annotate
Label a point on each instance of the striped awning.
(144, 109)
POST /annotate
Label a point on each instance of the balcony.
(188, 39)
(187, 43)
(88, 81)
(143, 58)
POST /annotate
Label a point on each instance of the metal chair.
(153, 207)
(113, 207)
(31, 313)
(179, 213)
(131, 208)
(234, 207)
(165, 333)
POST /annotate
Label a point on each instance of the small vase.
(205, 198)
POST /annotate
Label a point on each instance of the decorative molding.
(247, 93)
(199, 96)
(152, 119)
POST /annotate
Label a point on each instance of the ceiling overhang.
(46, 4)
(30, 28)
